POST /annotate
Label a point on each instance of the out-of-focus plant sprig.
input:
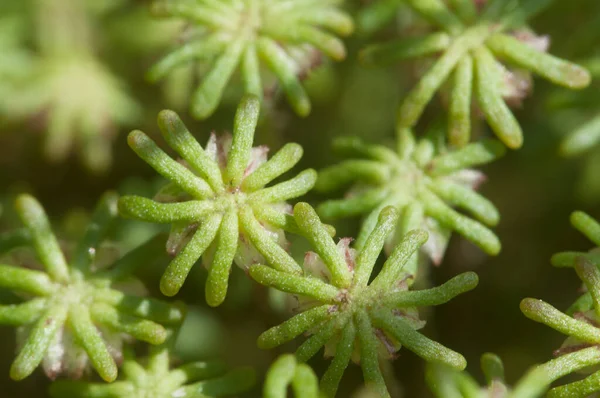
(589, 227)
(373, 16)
(576, 117)
(449, 383)
(475, 46)
(217, 203)
(157, 379)
(71, 315)
(421, 179)
(230, 35)
(287, 371)
(80, 99)
(16, 61)
(352, 318)
(582, 106)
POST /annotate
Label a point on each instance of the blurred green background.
(534, 188)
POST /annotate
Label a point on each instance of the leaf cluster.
(228, 202)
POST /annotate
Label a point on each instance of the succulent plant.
(229, 35)
(475, 45)
(85, 297)
(449, 383)
(157, 380)
(79, 98)
(83, 104)
(71, 315)
(217, 203)
(580, 322)
(287, 371)
(589, 227)
(421, 179)
(352, 318)
(583, 106)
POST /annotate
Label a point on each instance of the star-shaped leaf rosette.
(423, 181)
(71, 316)
(80, 100)
(581, 350)
(83, 104)
(153, 377)
(228, 35)
(486, 54)
(352, 318)
(449, 383)
(217, 203)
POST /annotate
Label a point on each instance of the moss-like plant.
(82, 101)
(74, 316)
(580, 322)
(589, 227)
(583, 138)
(79, 308)
(448, 383)
(576, 117)
(217, 203)
(85, 104)
(16, 61)
(374, 15)
(353, 318)
(421, 179)
(157, 380)
(583, 106)
(153, 36)
(231, 35)
(475, 45)
(287, 371)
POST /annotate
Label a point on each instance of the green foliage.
(583, 138)
(75, 316)
(85, 102)
(231, 34)
(421, 179)
(576, 117)
(81, 99)
(449, 383)
(471, 44)
(352, 318)
(15, 60)
(157, 379)
(374, 16)
(72, 67)
(217, 203)
(584, 105)
(287, 371)
(580, 322)
(591, 229)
